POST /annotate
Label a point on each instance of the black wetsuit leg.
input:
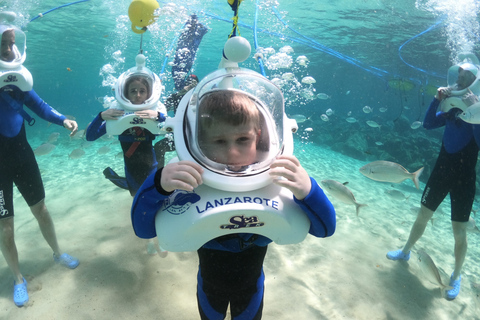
(18, 165)
(453, 173)
(227, 277)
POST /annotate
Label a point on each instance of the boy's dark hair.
(227, 106)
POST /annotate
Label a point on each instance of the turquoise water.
(353, 48)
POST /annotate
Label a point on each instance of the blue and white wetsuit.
(17, 161)
(230, 269)
(454, 171)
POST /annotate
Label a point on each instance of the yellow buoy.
(141, 14)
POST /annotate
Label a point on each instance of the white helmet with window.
(13, 54)
(272, 127)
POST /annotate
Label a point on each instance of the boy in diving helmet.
(230, 134)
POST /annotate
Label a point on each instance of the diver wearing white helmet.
(454, 170)
(236, 189)
(136, 117)
(17, 160)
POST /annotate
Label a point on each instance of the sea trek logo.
(3, 211)
(180, 201)
(137, 120)
(238, 222)
(11, 78)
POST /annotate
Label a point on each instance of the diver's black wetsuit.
(454, 171)
(17, 160)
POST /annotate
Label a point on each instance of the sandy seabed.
(346, 276)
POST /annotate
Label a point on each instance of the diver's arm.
(319, 210)
(146, 204)
(43, 109)
(434, 119)
(96, 129)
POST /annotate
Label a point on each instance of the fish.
(324, 117)
(416, 125)
(44, 149)
(300, 118)
(387, 171)
(76, 154)
(309, 80)
(379, 143)
(340, 192)
(471, 114)
(472, 226)
(53, 137)
(329, 112)
(308, 129)
(383, 109)
(351, 120)
(396, 195)
(347, 93)
(430, 270)
(323, 96)
(103, 150)
(373, 124)
(367, 109)
(80, 134)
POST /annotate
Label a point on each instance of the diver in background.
(17, 160)
(454, 173)
(136, 142)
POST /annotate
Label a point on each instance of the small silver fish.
(430, 269)
(341, 192)
(76, 154)
(308, 129)
(323, 96)
(351, 120)
(416, 125)
(53, 137)
(395, 194)
(471, 114)
(367, 109)
(324, 117)
(44, 149)
(387, 171)
(300, 118)
(383, 109)
(103, 150)
(329, 112)
(472, 226)
(373, 124)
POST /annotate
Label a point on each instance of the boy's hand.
(182, 175)
(112, 114)
(291, 175)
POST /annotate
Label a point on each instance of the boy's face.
(235, 146)
(137, 92)
(8, 40)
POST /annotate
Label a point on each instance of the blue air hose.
(48, 11)
(255, 40)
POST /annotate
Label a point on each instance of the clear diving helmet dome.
(464, 75)
(145, 76)
(232, 107)
(14, 44)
